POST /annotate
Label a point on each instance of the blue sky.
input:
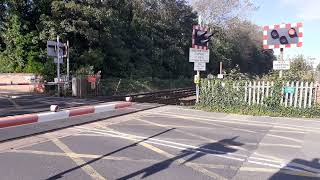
(288, 11)
(271, 12)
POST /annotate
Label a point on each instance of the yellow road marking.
(181, 161)
(76, 155)
(114, 158)
(86, 168)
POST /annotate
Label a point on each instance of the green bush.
(228, 97)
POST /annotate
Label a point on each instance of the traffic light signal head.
(282, 36)
(200, 37)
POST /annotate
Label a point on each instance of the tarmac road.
(169, 142)
(12, 103)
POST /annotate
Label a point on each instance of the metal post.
(58, 65)
(281, 59)
(220, 67)
(197, 88)
(198, 72)
(68, 64)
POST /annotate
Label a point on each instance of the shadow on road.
(299, 169)
(60, 175)
(220, 147)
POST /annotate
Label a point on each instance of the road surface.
(169, 142)
(12, 103)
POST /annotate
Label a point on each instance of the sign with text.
(52, 49)
(199, 66)
(281, 65)
(289, 90)
(199, 55)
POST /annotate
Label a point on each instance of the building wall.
(15, 78)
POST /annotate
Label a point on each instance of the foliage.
(300, 70)
(221, 93)
(223, 96)
(221, 11)
(125, 38)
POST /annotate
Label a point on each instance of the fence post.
(268, 87)
(305, 95)
(258, 93)
(296, 94)
(286, 96)
(291, 95)
(310, 94)
(262, 97)
(254, 93)
(272, 91)
(245, 92)
(301, 93)
(250, 90)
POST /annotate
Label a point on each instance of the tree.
(11, 59)
(218, 12)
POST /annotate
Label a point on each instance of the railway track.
(171, 97)
(180, 96)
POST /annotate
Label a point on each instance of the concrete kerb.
(51, 116)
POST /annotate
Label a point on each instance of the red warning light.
(292, 32)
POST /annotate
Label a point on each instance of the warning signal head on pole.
(201, 37)
(283, 36)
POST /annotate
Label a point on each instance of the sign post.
(199, 53)
(58, 65)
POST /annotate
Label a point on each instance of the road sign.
(199, 66)
(289, 90)
(196, 79)
(52, 49)
(220, 76)
(200, 37)
(92, 79)
(199, 55)
(283, 35)
(281, 65)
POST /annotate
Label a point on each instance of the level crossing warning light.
(282, 36)
(200, 37)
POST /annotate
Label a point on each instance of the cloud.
(306, 9)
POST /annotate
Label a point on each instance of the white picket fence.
(304, 96)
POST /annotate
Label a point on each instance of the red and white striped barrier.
(51, 116)
(17, 84)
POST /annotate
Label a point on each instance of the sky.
(288, 11)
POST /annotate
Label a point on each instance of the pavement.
(166, 142)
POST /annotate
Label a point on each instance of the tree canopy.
(123, 38)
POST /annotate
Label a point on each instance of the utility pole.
(58, 65)
(68, 63)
